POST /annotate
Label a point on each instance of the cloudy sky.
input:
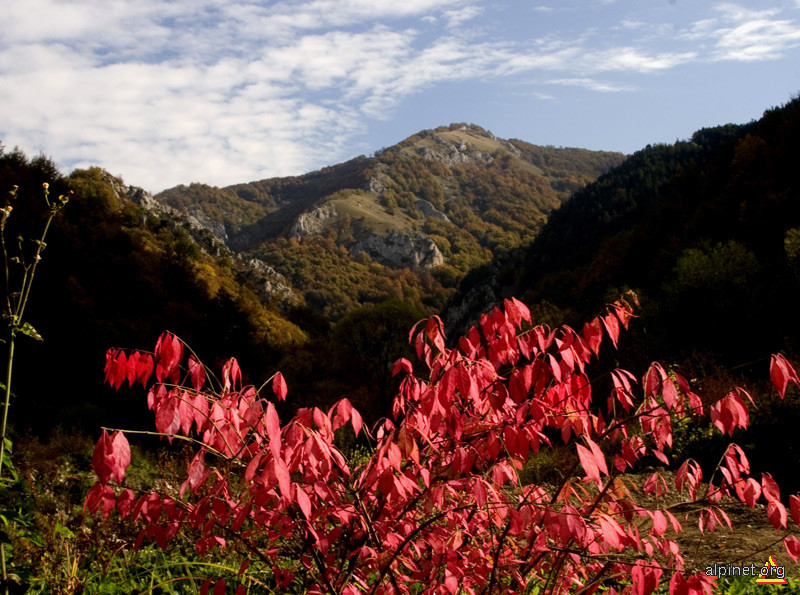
(164, 92)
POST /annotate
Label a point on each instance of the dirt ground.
(752, 540)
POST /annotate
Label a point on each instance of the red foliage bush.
(439, 507)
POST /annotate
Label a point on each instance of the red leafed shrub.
(439, 508)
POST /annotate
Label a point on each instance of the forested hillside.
(707, 233)
(117, 273)
(407, 223)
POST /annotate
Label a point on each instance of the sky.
(168, 92)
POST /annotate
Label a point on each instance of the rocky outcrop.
(314, 222)
(451, 155)
(458, 152)
(427, 209)
(270, 285)
(400, 251)
(207, 235)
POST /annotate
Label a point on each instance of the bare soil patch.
(752, 539)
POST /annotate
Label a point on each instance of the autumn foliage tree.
(439, 506)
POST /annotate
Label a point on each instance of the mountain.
(408, 222)
(260, 271)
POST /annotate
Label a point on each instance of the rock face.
(427, 209)
(313, 222)
(400, 251)
(270, 284)
(457, 152)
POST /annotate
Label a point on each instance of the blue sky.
(164, 92)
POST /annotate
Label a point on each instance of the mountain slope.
(118, 270)
(706, 230)
(437, 204)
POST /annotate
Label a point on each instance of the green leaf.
(64, 531)
(27, 329)
(35, 539)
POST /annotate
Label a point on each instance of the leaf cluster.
(438, 507)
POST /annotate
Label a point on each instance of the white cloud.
(740, 34)
(457, 17)
(594, 85)
(633, 59)
(173, 91)
(757, 39)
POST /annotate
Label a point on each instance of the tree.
(374, 337)
(438, 507)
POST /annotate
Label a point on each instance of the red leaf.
(157, 534)
(168, 353)
(730, 413)
(593, 335)
(197, 473)
(479, 492)
(598, 456)
(622, 387)
(117, 369)
(770, 488)
(282, 475)
(794, 506)
(125, 503)
(273, 429)
(611, 323)
(111, 354)
(121, 452)
(450, 582)
(185, 412)
(303, 501)
(589, 464)
(200, 408)
(103, 458)
(611, 532)
(355, 419)
(656, 485)
(516, 311)
(645, 578)
(144, 367)
(777, 514)
(100, 495)
(782, 373)
(150, 506)
(751, 492)
(231, 374)
(133, 362)
(219, 588)
(659, 522)
(792, 547)
(404, 365)
(168, 419)
(279, 386)
(197, 372)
